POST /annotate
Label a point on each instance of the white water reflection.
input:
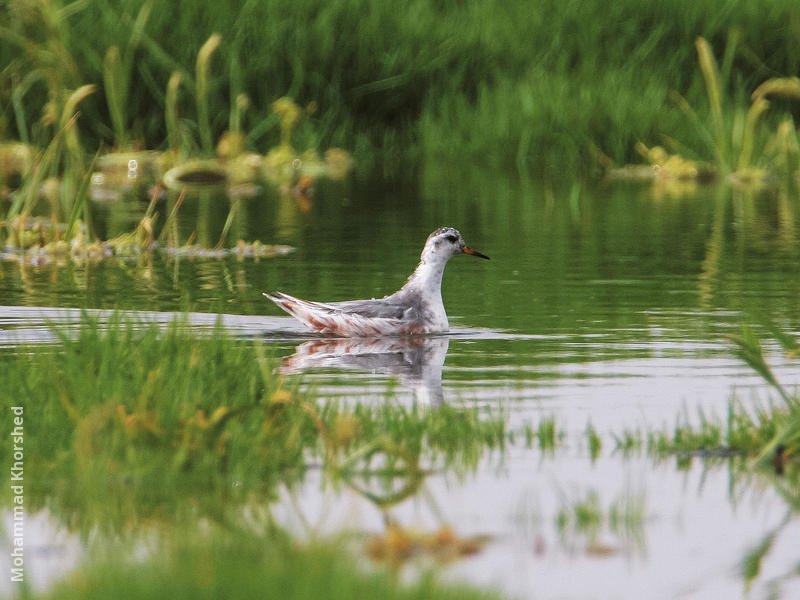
(35, 324)
(416, 361)
(50, 551)
(696, 528)
(698, 523)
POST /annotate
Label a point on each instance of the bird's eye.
(451, 238)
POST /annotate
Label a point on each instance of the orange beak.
(468, 250)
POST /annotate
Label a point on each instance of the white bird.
(416, 308)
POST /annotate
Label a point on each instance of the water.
(607, 305)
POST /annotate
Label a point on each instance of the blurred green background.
(538, 85)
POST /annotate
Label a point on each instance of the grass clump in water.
(158, 437)
(131, 422)
(766, 438)
(737, 144)
(767, 435)
(546, 434)
(58, 165)
(686, 438)
(588, 522)
(594, 442)
(582, 515)
(629, 440)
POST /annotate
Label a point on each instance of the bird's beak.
(468, 250)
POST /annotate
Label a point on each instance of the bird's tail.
(311, 314)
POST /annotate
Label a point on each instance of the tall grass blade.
(46, 164)
(117, 69)
(788, 342)
(137, 30)
(71, 9)
(75, 98)
(699, 124)
(170, 229)
(711, 75)
(734, 36)
(171, 111)
(80, 205)
(750, 351)
(228, 222)
(238, 99)
(787, 147)
(778, 86)
(201, 90)
(17, 102)
(751, 565)
(113, 80)
(749, 132)
(240, 104)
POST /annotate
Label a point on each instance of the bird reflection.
(416, 361)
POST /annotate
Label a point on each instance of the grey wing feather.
(380, 309)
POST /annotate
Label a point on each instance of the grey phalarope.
(416, 308)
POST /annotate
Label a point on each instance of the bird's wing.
(354, 318)
(377, 309)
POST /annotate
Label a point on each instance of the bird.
(416, 308)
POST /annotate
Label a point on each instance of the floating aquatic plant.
(733, 135)
(60, 175)
(603, 531)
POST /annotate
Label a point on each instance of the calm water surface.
(607, 306)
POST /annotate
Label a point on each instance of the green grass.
(142, 435)
(687, 438)
(587, 519)
(133, 429)
(755, 434)
(594, 442)
(583, 515)
(768, 435)
(546, 435)
(764, 439)
(217, 566)
(515, 83)
(125, 422)
(502, 85)
(630, 440)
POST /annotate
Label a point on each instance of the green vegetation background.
(529, 83)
